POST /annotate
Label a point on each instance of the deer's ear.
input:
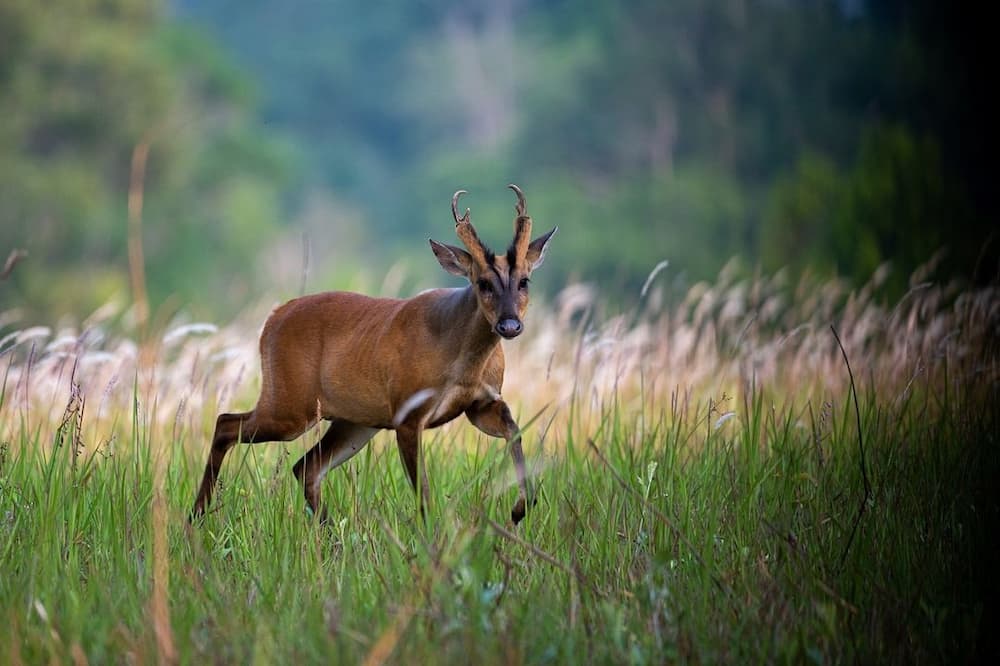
(537, 247)
(453, 259)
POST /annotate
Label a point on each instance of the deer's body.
(354, 358)
(366, 364)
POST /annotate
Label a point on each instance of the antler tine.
(521, 207)
(467, 233)
(454, 208)
(522, 226)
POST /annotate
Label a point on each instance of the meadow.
(750, 471)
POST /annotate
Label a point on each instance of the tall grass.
(706, 494)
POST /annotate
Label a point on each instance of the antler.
(521, 207)
(467, 233)
(454, 208)
(522, 224)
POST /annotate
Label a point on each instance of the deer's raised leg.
(494, 419)
(339, 444)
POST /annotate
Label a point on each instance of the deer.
(367, 364)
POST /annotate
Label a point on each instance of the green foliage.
(824, 136)
(887, 207)
(896, 197)
(85, 84)
(695, 131)
(80, 86)
(801, 215)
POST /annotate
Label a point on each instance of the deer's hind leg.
(246, 427)
(340, 443)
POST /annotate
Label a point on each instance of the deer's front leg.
(493, 418)
(408, 440)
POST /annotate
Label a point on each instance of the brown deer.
(366, 364)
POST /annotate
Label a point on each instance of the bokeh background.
(261, 148)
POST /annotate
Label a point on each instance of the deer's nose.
(509, 327)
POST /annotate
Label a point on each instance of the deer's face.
(502, 292)
(500, 282)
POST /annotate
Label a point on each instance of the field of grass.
(711, 490)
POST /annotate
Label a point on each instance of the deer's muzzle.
(509, 328)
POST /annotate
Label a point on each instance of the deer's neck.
(468, 331)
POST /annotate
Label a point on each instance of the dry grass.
(715, 343)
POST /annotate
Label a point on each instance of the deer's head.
(499, 281)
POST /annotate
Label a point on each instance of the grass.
(702, 498)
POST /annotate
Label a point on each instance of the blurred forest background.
(826, 137)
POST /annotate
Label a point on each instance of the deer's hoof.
(517, 513)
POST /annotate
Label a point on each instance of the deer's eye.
(485, 286)
(523, 284)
